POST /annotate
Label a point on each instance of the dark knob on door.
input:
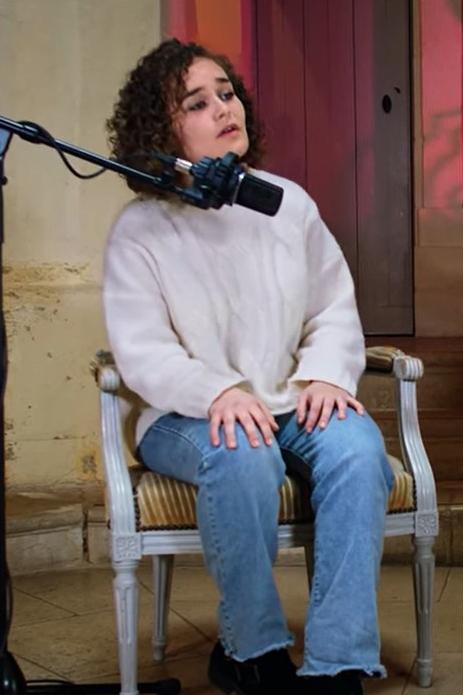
(387, 103)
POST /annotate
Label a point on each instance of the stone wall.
(61, 65)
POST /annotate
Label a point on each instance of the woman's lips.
(229, 130)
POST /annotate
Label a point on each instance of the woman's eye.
(226, 96)
(197, 106)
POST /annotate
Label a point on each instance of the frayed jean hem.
(259, 652)
(324, 669)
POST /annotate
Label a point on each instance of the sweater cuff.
(340, 380)
(216, 387)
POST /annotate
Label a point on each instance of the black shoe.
(344, 683)
(270, 673)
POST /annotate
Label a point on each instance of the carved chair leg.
(423, 574)
(163, 566)
(125, 590)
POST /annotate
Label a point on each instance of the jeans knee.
(357, 453)
(370, 467)
(259, 467)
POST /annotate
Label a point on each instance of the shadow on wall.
(443, 143)
(456, 7)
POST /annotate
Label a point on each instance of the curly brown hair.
(142, 119)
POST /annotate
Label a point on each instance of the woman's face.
(210, 120)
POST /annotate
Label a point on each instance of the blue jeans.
(237, 510)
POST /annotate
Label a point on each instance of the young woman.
(242, 335)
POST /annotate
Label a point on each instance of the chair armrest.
(118, 484)
(380, 359)
(406, 371)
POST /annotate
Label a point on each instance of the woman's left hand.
(316, 402)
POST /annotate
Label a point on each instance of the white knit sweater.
(197, 301)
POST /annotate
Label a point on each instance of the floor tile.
(397, 621)
(33, 671)
(397, 626)
(396, 583)
(28, 609)
(447, 677)
(79, 591)
(399, 665)
(192, 673)
(453, 590)
(188, 583)
(65, 648)
(448, 632)
(292, 583)
(388, 686)
(201, 614)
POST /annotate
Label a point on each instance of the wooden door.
(333, 89)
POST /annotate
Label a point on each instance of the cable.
(49, 681)
(51, 140)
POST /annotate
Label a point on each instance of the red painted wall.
(439, 168)
(442, 91)
(225, 26)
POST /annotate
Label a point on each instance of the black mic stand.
(12, 681)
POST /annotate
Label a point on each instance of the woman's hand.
(316, 402)
(234, 405)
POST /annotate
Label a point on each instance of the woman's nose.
(220, 108)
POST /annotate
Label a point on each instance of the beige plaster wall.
(61, 65)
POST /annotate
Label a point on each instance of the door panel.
(280, 85)
(330, 118)
(333, 90)
(383, 135)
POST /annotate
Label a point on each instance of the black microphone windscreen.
(259, 195)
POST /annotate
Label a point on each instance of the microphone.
(224, 181)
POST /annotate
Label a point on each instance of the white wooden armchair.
(150, 514)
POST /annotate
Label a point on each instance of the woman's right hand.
(235, 405)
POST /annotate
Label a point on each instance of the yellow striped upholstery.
(402, 497)
(165, 503)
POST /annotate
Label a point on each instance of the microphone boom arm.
(216, 181)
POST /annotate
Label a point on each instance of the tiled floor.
(63, 627)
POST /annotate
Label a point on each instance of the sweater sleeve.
(332, 346)
(147, 350)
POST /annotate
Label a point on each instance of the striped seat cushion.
(165, 503)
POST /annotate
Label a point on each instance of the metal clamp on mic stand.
(224, 181)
